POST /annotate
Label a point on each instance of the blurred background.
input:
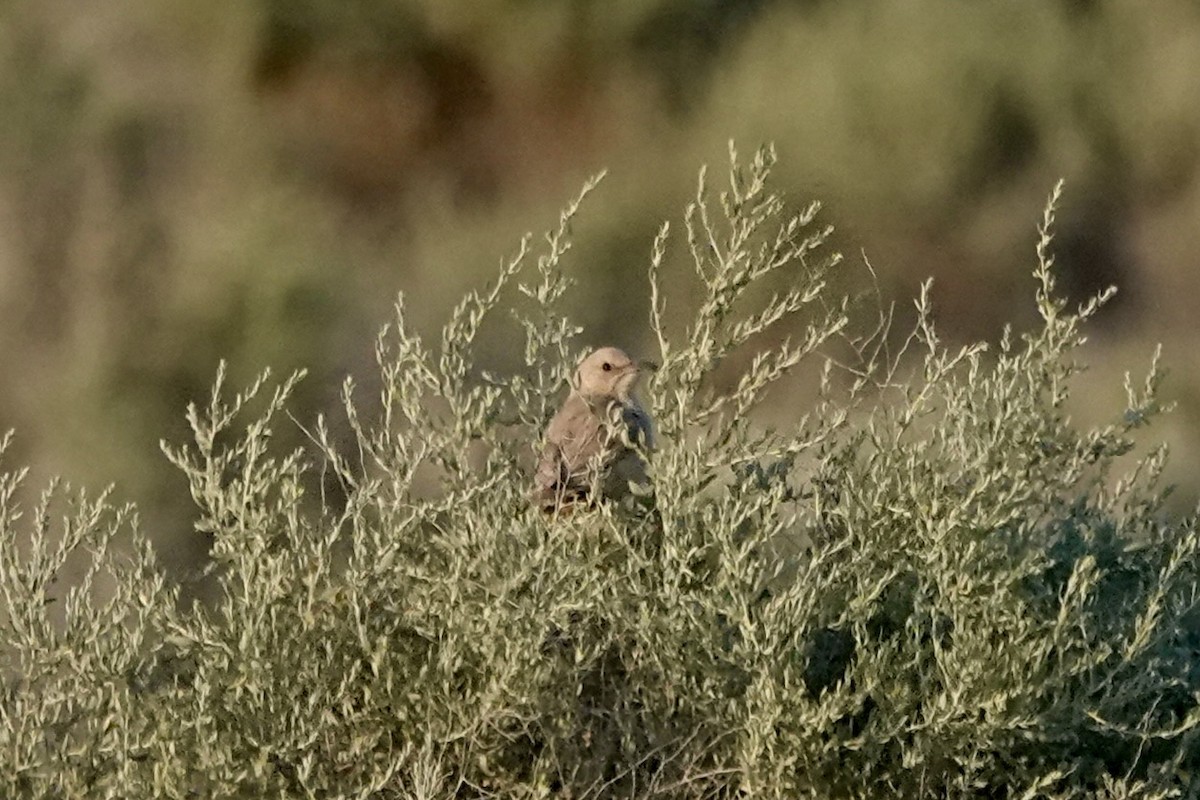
(255, 180)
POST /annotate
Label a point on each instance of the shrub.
(931, 584)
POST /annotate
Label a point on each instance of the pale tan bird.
(593, 439)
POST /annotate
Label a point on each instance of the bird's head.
(608, 374)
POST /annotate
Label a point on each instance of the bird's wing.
(578, 432)
(572, 440)
(551, 472)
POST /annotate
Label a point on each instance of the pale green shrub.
(932, 585)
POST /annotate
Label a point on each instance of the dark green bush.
(931, 584)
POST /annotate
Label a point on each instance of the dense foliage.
(932, 583)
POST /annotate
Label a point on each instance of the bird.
(596, 439)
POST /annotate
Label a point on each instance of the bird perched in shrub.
(595, 440)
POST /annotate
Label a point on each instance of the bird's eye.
(607, 367)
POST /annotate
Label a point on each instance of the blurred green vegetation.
(182, 182)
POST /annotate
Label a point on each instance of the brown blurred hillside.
(182, 182)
